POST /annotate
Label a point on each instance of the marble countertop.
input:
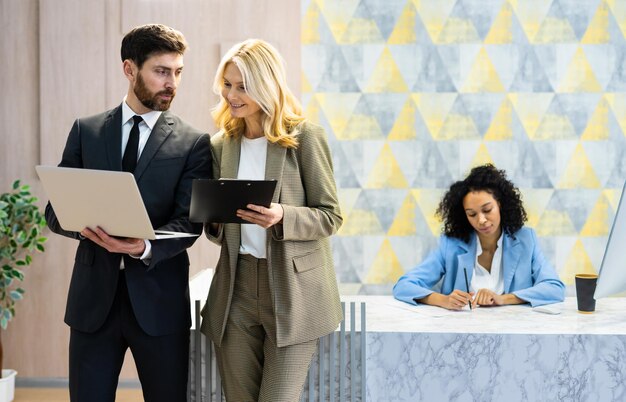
(385, 314)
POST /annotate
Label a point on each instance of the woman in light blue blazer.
(485, 240)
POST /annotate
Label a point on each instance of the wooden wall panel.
(65, 63)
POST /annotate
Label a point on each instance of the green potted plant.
(21, 225)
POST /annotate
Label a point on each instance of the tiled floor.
(62, 395)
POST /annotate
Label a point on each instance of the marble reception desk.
(509, 353)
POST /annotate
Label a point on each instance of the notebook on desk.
(109, 199)
(217, 201)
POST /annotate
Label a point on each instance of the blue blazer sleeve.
(546, 286)
(418, 283)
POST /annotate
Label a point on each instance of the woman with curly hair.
(484, 239)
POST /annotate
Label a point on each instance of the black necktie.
(129, 161)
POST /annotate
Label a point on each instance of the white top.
(483, 279)
(252, 166)
(145, 127)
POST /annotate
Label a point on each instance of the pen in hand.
(467, 285)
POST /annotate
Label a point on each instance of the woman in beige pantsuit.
(274, 292)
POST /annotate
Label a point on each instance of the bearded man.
(133, 293)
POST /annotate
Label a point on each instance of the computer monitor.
(612, 276)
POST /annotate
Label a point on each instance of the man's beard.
(152, 100)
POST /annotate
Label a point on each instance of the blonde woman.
(274, 292)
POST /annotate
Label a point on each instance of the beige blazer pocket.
(308, 261)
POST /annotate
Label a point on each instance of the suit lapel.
(466, 261)
(511, 253)
(274, 164)
(162, 129)
(113, 138)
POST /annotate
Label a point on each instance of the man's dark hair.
(482, 178)
(147, 40)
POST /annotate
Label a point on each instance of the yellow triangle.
(599, 222)
(404, 31)
(386, 172)
(428, 201)
(434, 108)
(361, 31)
(386, 267)
(306, 85)
(360, 222)
(347, 198)
(598, 29)
(530, 109)
(501, 30)
(434, 14)
(458, 30)
(618, 8)
(338, 108)
(578, 262)
(617, 101)
(310, 33)
(555, 223)
(579, 172)
(386, 76)
(361, 127)
(555, 30)
(404, 126)
(338, 15)
(598, 125)
(535, 201)
(404, 222)
(313, 110)
(613, 196)
(483, 76)
(482, 156)
(554, 127)
(457, 127)
(501, 127)
(579, 76)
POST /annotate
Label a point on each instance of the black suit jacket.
(174, 155)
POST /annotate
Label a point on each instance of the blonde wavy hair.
(263, 73)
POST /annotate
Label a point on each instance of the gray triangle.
(362, 155)
(385, 203)
(385, 13)
(530, 76)
(529, 171)
(576, 203)
(547, 154)
(482, 107)
(346, 253)
(344, 175)
(482, 14)
(423, 164)
(579, 14)
(458, 11)
(556, 11)
(579, 108)
(383, 106)
(617, 83)
(617, 177)
(336, 76)
(362, 60)
(433, 75)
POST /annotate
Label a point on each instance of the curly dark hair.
(481, 178)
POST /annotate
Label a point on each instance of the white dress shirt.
(483, 279)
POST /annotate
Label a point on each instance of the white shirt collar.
(149, 118)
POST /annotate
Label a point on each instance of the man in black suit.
(133, 293)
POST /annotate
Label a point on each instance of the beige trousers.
(252, 367)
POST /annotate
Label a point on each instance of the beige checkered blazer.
(302, 274)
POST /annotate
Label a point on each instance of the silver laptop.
(89, 198)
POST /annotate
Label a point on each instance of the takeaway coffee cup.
(585, 288)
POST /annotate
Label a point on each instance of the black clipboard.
(218, 200)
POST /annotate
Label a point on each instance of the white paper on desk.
(423, 309)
